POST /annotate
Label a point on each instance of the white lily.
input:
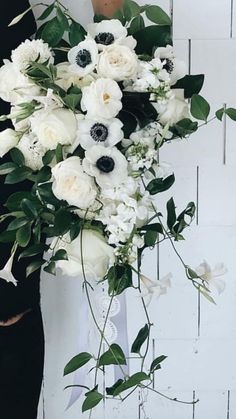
(211, 275)
(155, 288)
(6, 272)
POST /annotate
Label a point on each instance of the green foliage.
(151, 37)
(77, 362)
(156, 364)
(191, 84)
(23, 235)
(17, 157)
(160, 184)
(119, 278)
(18, 175)
(184, 128)
(140, 339)
(76, 33)
(132, 381)
(136, 25)
(34, 266)
(157, 15)
(46, 13)
(53, 32)
(113, 356)
(200, 108)
(92, 399)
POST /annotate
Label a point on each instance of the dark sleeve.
(13, 36)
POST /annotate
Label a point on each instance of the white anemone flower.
(104, 132)
(83, 57)
(155, 288)
(211, 276)
(107, 32)
(102, 99)
(6, 272)
(107, 165)
(28, 51)
(176, 68)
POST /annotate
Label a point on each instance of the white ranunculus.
(31, 50)
(102, 99)
(14, 86)
(32, 150)
(71, 184)
(67, 78)
(176, 68)
(117, 62)
(8, 140)
(106, 132)
(174, 110)
(53, 127)
(107, 165)
(83, 57)
(97, 255)
(107, 32)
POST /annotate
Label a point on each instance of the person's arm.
(106, 7)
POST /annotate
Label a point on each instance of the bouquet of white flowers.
(91, 109)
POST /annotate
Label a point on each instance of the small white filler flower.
(211, 275)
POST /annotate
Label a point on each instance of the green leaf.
(50, 268)
(136, 25)
(44, 174)
(17, 223)
(48, 157)
(6, 168)
(219, 114)
(52, 32)
(200, 108)
(191, 274)
(156, 363)
(119, 278)
(18, 175)
(75, 230)
(30, 209)
(34, 266)
(46, 194)
(184, 127)
(171, 214)
(153, 227)
(62, 19)
(14, 201)
(129, 122)
(132, 381)
(114, 356)
(150, 238)
(72, 101)
(192, 84)
(140, 339)
(46, 12)
(59, 153)
(151, 38)
(231, 112)
(160, 184)
(77, 362)
(157, 15)
(8, 236)
(23, 235)
(76, 33)
(34, 250)
(61, 254)
(207, 296)
(62, 222)
(92, 400)
(17, 157)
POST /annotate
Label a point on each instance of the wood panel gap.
(231, 18)
(189, 55)
(194, 399)
(228, 405)
(224, 135)
(197, 196)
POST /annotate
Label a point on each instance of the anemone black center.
(106, 164)
(169, 65)
(83, 58)
(99, 132)
(105, 38)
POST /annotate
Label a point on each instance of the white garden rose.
(97, 255)
(31, 50)
(14, 86)
(72, 184)
(32, 150)
(67, 78)
(102, 99)
(117, 62)
(174, 110)
(107, 164)
(8, 140)
(54, 126)
(83, 57)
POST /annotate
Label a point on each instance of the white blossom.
(28, 51)
(212, 275)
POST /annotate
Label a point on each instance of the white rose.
(14, 86)
(53, 127)
(117, 62)
(174, 110)
(71, 184)
(97, 255)
(8, 140)
(102, 99)
(31, 50)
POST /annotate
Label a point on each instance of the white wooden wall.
(199, 338)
